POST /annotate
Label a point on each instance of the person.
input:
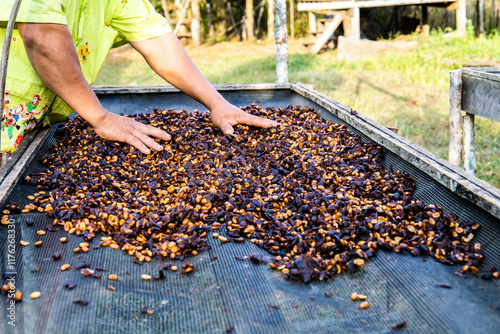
(57, 50)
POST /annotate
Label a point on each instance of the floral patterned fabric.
(96, 27)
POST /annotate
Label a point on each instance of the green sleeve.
(34, 11)
(137, 20)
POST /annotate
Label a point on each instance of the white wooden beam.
(333, 5)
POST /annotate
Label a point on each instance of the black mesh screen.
(226, 294)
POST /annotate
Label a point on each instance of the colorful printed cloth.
(96, 27)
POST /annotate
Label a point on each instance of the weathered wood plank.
(14, 171)
(481, 93)
(12, 158)
(333, 5)
(168, 88)
(489, 73)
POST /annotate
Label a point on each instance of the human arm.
(52, 54)
(167, 57)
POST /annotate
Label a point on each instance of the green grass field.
(409, 90)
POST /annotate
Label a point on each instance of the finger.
(248, 119)
(135, 142)
(156, 132)
(148, 141)
(225, 127)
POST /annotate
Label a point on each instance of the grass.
(408, 90)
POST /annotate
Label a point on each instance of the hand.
(124, 129)
(228, 116)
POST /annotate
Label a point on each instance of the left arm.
(168, 58)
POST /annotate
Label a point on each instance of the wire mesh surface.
(226, 294)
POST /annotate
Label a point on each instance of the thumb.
(225, 127)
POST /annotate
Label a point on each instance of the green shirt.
(96, 27)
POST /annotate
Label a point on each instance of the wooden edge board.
(168, 88)
(14, 157)
(480, 95)
(457, 180)
(486, 76)
(15, 173)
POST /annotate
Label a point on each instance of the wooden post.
(249, 21)
(355, 21)
(480, 17)
(195, 22)
(455, 153)
(281, 34)
(270, 19)
(313, 26)
(292, 14)
(469, 144)
(425, 20)
(346, 23)
(461, 17)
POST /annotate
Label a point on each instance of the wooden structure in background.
(351, 19)
(180, 17)
(475, 91)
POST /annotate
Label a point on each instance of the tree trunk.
(480, 17)
(195, 23)
(270, 20)
(211, 28)
(165, 9)
(281, 34)
(182, 14)
(249, 22)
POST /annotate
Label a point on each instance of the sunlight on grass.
(405, 90)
